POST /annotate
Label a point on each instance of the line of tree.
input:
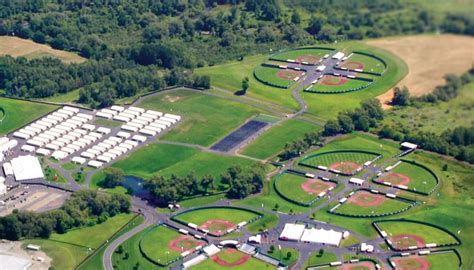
(83, 208)
(239, 183)
(296, 147)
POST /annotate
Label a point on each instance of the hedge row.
(340, 91)
(434, 252)
(270, 83)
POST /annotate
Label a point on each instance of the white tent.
(322, 236)
(27, 168)
(117, 108)
(292, 232)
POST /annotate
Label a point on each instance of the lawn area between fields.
(206, 118)
(317, 258)
(19, 113)
(273, 141)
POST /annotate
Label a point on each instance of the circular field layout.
(309, 56)
(351, 65)
(365, 204)
(274, 76)
(216, 220)
(367, 265)
(405, 234)
(163, 245)
(287, 74)
(365, 62)
(346, 162)
(333, 80)
(415, 177)
(232, 259)
(338, 84)
(434, 261)
(301, 189)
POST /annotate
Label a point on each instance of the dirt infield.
(359, 266)
(366, 199)
(308, 59)
(429, 58)
(346, 167)
(241, 260)
(316, 186)
(217, 226)
(333, 80)
(404, 241)
(184, 243)
(353, 65)
(411, 263)
(289, 74)
(395, 179)
(23, 47)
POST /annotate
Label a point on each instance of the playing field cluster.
(331, 83)
(404, 234)
(367, 63)
(311, 56)
(163, 245)
(301, 189)
(346, 162)
(436, 261)
(364, 203)
(232, 259)
(413, 176)
(216, 220)
(17, 113)
(276, 76)
(367, 265)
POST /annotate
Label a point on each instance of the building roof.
(27, 168)
(292, 231)
(322, 236)
(11, 262)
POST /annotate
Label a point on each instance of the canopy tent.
(27, 168)
(322, 236)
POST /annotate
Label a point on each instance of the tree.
(288, 255)
(295, 18)
(331, 128)
(113, 177)
(207, 182)
(401, 97)
(346, 123)
(272, 249)
(245, 85)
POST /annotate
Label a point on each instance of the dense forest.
(140, 46)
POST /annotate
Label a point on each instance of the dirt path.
(429, 58)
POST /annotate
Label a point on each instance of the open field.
(433, 117)
(206, 119)
(429, 58)
(437, 261)
(301, 189)
(364, 203)
(232, 259)
(19, 113)
(272, 141)
(411, 175)
(27, 48)
(397, 230)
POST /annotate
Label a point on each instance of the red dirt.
(348, 167)
(184, 243)
(316, 186)
(308, 58)
(289, 74)
(411, 263)
(333, 80)
(353, 65)
(366, 199)
(403, 241)
(396, 179)
(217, 226)
(243, 259)
(359, 266)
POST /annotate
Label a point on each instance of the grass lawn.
(370, 64)
(290, 186)
(315, 258)
(155, 245)
(53, 176)
(274, 140)
(94, 236)
(347, 86)
(107, 123)
(70, 166)
(332, 158)
(268, 221)
(428, 233)
(387, 206)
(206, 118)
(19, 113)
(230, 257)
(270, 75)
(132, 248)
(293, 54)
(437, 261)
(200, 216)
(283, 254)
(420, 178)
(95, 261)
(69, 97)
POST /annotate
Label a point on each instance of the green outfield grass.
(132, 247)
(371, 64)
(349, 85)
(387, 206)
(200, 216)
(205, 118)
(429, 234)
(420, 179)
(155, 245)
(437, 261)
(251, 263)
(289, 185)
(270, 75)
(293, 54)
(273, 141)
(19, 113)
(332, 158)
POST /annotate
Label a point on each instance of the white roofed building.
(26, 168)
